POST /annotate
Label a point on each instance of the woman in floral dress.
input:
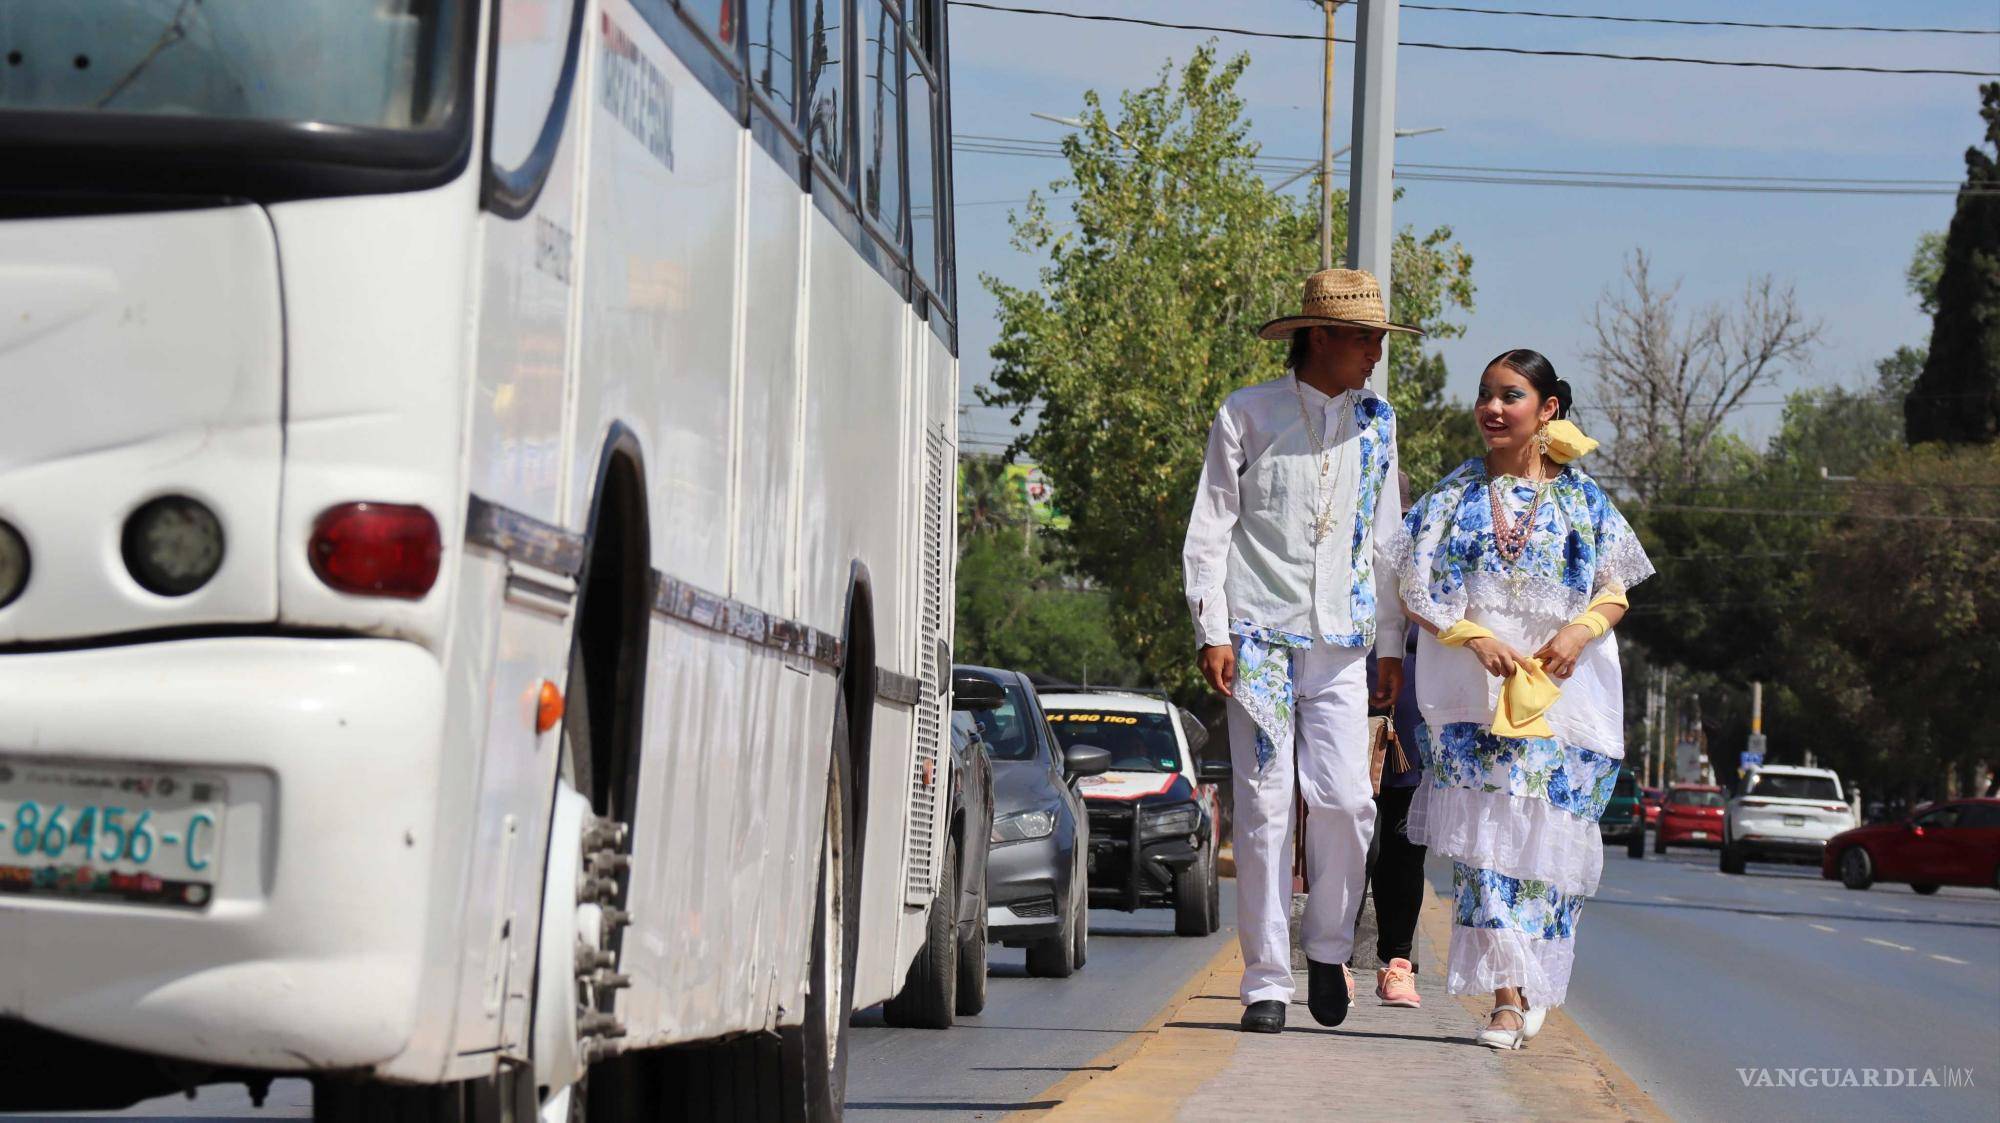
(1515, 567)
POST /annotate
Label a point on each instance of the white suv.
(1784, 813)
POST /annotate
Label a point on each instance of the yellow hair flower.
(1567, 442)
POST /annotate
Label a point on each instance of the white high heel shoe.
(1495, 1038)
(1531, 1023)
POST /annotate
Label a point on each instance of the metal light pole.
(1326, 145)
(1371, 231)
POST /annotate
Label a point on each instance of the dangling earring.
(1542, 439)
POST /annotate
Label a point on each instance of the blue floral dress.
(1516, 815)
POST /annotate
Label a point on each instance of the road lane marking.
(1824, 928)
(1766, 916)
(1791, 892)
(1671, 900)
(1949, 959)
(1615, 889)
(1887, 944)
(1892, 908)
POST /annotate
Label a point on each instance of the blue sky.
(1543, 255)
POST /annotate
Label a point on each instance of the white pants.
(1330, 720)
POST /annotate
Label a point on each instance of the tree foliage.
(1957, 398)
(1142, 322)
(1018, 604)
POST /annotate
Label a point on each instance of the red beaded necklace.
(1510, 537)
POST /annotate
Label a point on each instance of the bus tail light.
(377, 549)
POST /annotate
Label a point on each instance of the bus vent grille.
(924, 773)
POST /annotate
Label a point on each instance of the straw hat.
(1337, 297)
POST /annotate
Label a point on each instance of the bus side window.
(532, 49)
(774, 55)
(826, 78)
(920, 99)
(717, 20)
(882, 118)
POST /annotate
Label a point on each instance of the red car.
(1691, 815)
(1649, 801)
(1955, 843)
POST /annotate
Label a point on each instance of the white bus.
(475, 538)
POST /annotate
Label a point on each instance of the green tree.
(1895, 649)
(1018, 604)
(1925, 270)
(1957, 398)
(1143, 322)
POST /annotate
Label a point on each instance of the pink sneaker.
(1396, 985)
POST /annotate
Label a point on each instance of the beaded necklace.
(1510, 537)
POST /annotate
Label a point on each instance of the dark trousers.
(1396, 876)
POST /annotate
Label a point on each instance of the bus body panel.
(377, 344)
(324, 859)
(140, 356)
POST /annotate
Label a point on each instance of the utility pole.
(1371, 231)
(1667, 729)
(1326, 144)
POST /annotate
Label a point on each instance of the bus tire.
(811, 1060)
(929, 997)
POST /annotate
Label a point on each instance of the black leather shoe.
(1267, 1016)
(1326, 992)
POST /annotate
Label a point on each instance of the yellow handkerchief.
(1524, 698)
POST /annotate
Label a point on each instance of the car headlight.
(1020, 826)
(1178, 820)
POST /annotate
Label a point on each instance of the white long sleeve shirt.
(1251, 562)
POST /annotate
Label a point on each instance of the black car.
(1037, 884)
(949, 974)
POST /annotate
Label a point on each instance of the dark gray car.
(1037, 887)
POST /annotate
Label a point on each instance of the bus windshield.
(376, 64)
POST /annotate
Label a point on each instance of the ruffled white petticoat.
(1518, 817)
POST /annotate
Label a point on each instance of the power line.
(1784, 514)
(1700, 22)
(973, 144)
(1478, 48)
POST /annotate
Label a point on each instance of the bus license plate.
(109, 833)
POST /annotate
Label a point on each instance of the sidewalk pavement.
(1383, 1062)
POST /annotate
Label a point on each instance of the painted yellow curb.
(1139, 1061)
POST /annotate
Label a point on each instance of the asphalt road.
(1686, 976)
(1034, 1032)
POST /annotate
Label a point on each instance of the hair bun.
(1565, 397)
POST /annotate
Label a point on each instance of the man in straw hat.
(1290, 577)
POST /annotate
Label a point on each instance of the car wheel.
(1923, 890)
(1191, 907)
(930, 991)
(972, 966)
(1082, 927)
(1857, 868)
(1214, 892)
(1054, 957)
(1732, 858)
